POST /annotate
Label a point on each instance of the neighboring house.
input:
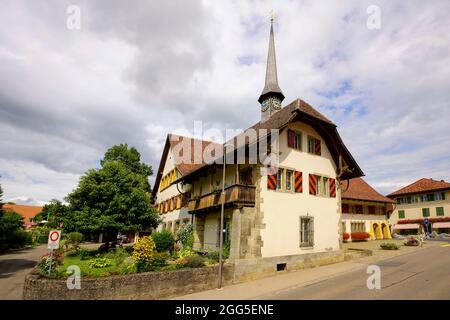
(365, 210)
(273, 221)
(425, 200)
(172, 200)
(27, 212)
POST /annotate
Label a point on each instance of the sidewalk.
(253, 289)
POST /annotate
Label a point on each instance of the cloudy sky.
(137, 70)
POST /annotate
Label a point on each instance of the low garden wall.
(148, 285)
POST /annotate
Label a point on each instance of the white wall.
(282, 211)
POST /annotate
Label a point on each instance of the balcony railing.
(237, 194)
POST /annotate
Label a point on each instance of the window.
(323, 186)
(311, 145)
(306, 231)
(289, 175)
(438, 196)
(280, 179)
(294, 140)
(424, 198)
(426, 212)
(401, 214)
(357, 227)
(439, 211)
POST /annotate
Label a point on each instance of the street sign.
(426, 221)
(53, 239)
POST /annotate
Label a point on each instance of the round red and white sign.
(53, 239)
(54, 236)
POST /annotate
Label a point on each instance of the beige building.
(365, 210)
(425, 200)
(274, 220)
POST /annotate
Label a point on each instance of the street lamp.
(219, 284)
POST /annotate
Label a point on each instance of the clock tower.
(271, 96)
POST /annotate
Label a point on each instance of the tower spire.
(271, 87)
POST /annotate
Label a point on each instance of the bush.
(117, 255)
(100, 263)
(164, 240)
(389, 246)
(186, 235)
(186, 252)
(46, 264)
(83, 253)
(74, 239)
(144, 253)
(214, 255)
(360, 236)
(160, 260)
(345, 236)
(194, 261)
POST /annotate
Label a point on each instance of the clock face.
(265, 105)
(276, 103)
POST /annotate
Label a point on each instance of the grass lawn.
(119, 265)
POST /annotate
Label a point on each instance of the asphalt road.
(14, 266)
(424, 274)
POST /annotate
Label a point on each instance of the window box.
(360, 236)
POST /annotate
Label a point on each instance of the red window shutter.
(359, 209)
(371, 209)
(318, 147)
(345, 208)
(272, 181)
(312, 184)
(291, 138)
(332, 188)
(298, 181)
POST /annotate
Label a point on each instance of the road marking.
(445, 245)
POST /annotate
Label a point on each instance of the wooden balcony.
(237, 194)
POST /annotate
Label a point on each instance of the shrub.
(194, 261)
(84, 254)
(160, 259)
(360, 236)
(186, 235)
(46, 264)
(144, 253)
(74, 239)
(345, 236)
(389, 246)
(214, 255)
(164, 240)
(117, 255)
(100, 263)
(186, 252)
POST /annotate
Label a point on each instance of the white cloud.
(135, 72)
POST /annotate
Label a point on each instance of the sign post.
(53, 243)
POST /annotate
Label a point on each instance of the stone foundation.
(149, 285)
(250, 269)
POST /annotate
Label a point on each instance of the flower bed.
(412, 242)
(345, 236)
(360, 236)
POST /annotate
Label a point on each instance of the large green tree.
(57, 214)
(115, 197)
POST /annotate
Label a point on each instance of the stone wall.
(149, 285)
(250, 269)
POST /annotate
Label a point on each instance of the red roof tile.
(420, 186)
(358, 189)
(26, 212)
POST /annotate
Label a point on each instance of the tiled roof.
(186, 168)
(298, 108)
(422, 185)
(358, 189)
(26, 212)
